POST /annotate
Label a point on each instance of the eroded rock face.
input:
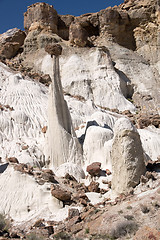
(41, 16)
(114, 25)
(64, 22)
(10, 42)
(78, 35)
(127, 157)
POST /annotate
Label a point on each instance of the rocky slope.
(80, 159)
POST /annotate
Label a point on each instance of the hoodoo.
(63, 145)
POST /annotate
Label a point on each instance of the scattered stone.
(48, 171)
(12, 160)
(109, 184)
(45, 79)
(70, 177)
(143, 122)
(50, 229)
(94, 187)
(108, 172)
(94, 169)
(105, 181)
(25, 147)
(80, 198)
(39, 223)
(44, 129)
(103, 191)
(143, 179)
(24, 168)
(48, 177)
(60, 193)
(72, 212)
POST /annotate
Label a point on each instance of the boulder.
(44, 129)
(127, 157)
(94, 169)
(53, 49)
(9, 50)
(80, 198)
(93, 187)
(10, 42)
(73, 212)
(60, 193)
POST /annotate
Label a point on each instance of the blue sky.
(11, 11)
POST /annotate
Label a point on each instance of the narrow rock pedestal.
(63, 145)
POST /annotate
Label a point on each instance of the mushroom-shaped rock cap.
(54, 49)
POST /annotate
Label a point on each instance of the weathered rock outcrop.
(127, 157)
(41, 16)
(37, 40)
(64, 22)
(133, 25)
(78, 35)
(63, 144)
(10, 42)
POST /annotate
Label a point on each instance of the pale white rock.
(23, 125)
(23, 199)
(150, 138)
(80, 110)
(95, 197)
(124, 124)
(74, 170)
(93, 147)
(90, 74)
(93, 76)
(107, 153)
(63, 145)
(141, 74)
(127, 157)
(104, 118)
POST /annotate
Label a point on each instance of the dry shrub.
(123, 228)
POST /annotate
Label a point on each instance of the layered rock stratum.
(79, 132)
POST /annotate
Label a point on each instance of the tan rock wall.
(42, 15)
